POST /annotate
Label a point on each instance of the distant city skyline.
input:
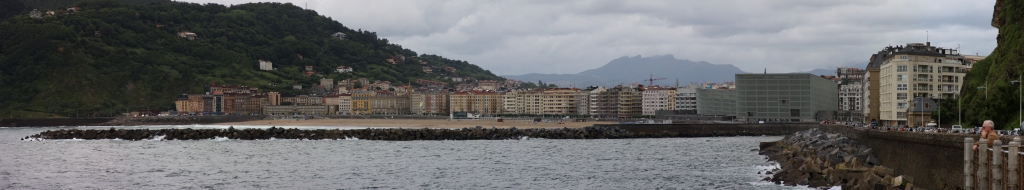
(564, 37)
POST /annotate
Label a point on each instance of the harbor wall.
(935, 160)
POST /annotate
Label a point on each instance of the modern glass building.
(793, 97)
(716, 101)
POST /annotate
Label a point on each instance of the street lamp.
(958, 112)
(938, 106)
(1021, 99)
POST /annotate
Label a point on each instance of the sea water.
(666, 163)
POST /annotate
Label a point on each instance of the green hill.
(998, 100)
(111, 57)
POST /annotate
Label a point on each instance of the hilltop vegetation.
(987, 91)
(112, 57)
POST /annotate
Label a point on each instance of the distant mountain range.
(625, 70)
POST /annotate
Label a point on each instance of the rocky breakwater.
(478, 133)
(821, 160)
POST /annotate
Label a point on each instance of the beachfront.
(420, 123)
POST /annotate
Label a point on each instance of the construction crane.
(652, 79)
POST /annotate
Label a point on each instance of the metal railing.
(993, 168)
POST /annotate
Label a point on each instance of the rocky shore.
(821, 160)
(478, 133)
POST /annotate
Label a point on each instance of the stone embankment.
(819, 160)
(175, 120)
(478, 133)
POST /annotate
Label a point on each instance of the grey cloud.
(541, 36)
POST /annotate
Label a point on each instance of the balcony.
(923, 70)
(923, 79)
(923, 89)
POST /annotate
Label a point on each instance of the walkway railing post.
(997, 161)
(1013, 165)
(968, 164)
(983, 164)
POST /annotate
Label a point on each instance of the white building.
(266, 65)
(917, 70)
(658, 98)
(686, 98)
(850, 101)
(343, 69)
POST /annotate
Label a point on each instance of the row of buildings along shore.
(900, 85)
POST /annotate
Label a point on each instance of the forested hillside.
(988, 92)
(110, 57)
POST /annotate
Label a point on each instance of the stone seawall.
(934, 159)
(717, 130)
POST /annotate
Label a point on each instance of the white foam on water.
(221, 139)
(157, 138)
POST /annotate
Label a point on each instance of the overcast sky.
(544, 36)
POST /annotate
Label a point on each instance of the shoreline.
(419, 123)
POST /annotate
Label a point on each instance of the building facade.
(715, 101)
(477, 102)
(850, 105)
(686, 98)
(658, 98)
(428, 102)
(798, 97)
(560, 101)
(917, 70)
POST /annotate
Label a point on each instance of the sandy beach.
(418, 123)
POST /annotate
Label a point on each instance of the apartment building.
(524, 102)
(658, 98)
(344, 104)
(917, 70)
(560, 101)
(478, 102)
(361, 102)
(583, 99)
(686, 98)
(850, 105)
(389, 104)
(428, 102)
(620, 101)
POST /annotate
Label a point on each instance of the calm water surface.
(678, 163)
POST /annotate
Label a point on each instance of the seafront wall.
(934, 159)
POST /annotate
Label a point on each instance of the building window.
(901, 68)
(794, 112)
(900, 78)
(901, 105)
(901, 86)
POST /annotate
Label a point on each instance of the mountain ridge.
(626, 69)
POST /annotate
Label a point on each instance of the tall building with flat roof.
(917, 70)
(791, 97)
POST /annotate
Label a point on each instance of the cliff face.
(987, 93)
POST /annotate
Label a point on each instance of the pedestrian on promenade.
(987, 133)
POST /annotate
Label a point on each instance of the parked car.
(956, 129)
